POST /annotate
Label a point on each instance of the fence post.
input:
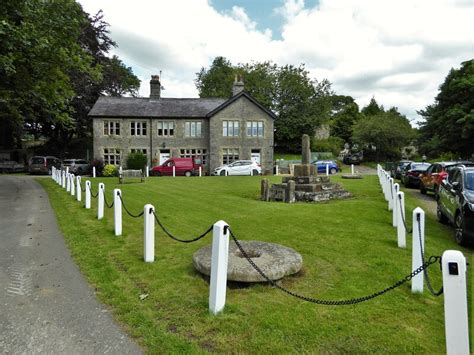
(117, 212)
(78, 188)
(219, 260)
(100, 199)
(63, 179)
(200, 171)
(88, 194)
(68, 182)
(147, 173)
(417, 249)
(73, 185)
(390, 194)
(327, 169)
(401, 230)
(455, 302)
(174, 171)
(93, 171)
(276, 170)
(352, 169)
(149, 233)
(396, 188)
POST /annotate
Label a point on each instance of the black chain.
(126, 209)
(177, 239)
(105, 200)
(432, 260)
(425, 272)
(403, 217)
(92, 194)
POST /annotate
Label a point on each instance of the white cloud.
(398, 51)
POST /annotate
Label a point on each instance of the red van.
(182, 166)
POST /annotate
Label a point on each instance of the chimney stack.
(155, 87)
(238, 85)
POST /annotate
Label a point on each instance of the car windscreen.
(68, 162)
(37, 161)
(420, 167)
(469, 180)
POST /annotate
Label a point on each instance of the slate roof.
(163, 107)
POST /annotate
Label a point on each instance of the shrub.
(99, 166)
(110, 170)
(136, 161)
(331, 144)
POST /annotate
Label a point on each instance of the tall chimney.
(238, 85)
(155, 87)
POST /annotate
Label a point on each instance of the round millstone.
(276, 261)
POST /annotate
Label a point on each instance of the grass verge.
(349, 249)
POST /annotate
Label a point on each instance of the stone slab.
(275, 260)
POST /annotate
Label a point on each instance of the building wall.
(242, 110)
(212, 139)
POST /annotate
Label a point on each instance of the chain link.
(178, 239)
(403, 217)
(425, 272)
(431, 260)
(105, 200)
(92, 194)
(128, 212)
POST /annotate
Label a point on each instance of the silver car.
(77, 166)
(239, 167)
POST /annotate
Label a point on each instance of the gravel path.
(46, 305)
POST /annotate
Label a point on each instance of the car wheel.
(440, 215)
(436, 196)
(222, 173)
(460, 233)
(333, 171)
(155, 173)
(255, 172)
(187, 174)
(422, 188)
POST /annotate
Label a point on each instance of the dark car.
(77, 166)
(411, 173)
(456, 202)
(43, 164)
(352, 158)
(397, 172)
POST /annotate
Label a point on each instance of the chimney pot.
(155, 87)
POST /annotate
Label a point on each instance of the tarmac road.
(46, 305)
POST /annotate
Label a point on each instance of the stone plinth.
(275, 260)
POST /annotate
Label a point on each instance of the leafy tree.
(383, 135)
(449, 122)
(345, 113)
(217, 80)
(372, 108)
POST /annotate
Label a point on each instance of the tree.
(449, 123)
(382, 136)
(217, 80)
(372, 108)
(344, 114)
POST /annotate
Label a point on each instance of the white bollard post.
(149, 233)
(67, 170)
(327, 169)
(401, 231)
(352, 169)
(73, 186)
(226, 172)
(63, 179)
(117, 212)
(88, 194)
(200, 171)
(390, 194)
(396, 188)
(120, 170)
(52, 172)
(68, 182)
(251, 172)
(174, 171)
(219, 260)
(100, 201)
(418, 248)
(93, 171)
(78, 188)
(385, 184)
(276, 170)
(455, 302)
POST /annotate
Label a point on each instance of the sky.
(398, 51)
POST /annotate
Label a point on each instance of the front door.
(164, 156)
(255, 155)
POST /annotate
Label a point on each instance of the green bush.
(136, 161)
(331, 144)
(110, 170)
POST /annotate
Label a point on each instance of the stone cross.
(305, 150)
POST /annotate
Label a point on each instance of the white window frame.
(193, 129)
(111, 128)
(255, 129)
(138, 128)
(166, 127)
(194, 152)
(230, 128)
(229, 155)
(112, 156)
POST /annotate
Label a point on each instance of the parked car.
(411, 173)
(182, 167)
(77, 166)
(321, 166)
(354, 158)
(239, 167)
(435, 174)
(10, 166)
(456, 202)
(43, 164)
(399, 167)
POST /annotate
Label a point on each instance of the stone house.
(219, 131)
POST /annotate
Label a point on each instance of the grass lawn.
(349, 249)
